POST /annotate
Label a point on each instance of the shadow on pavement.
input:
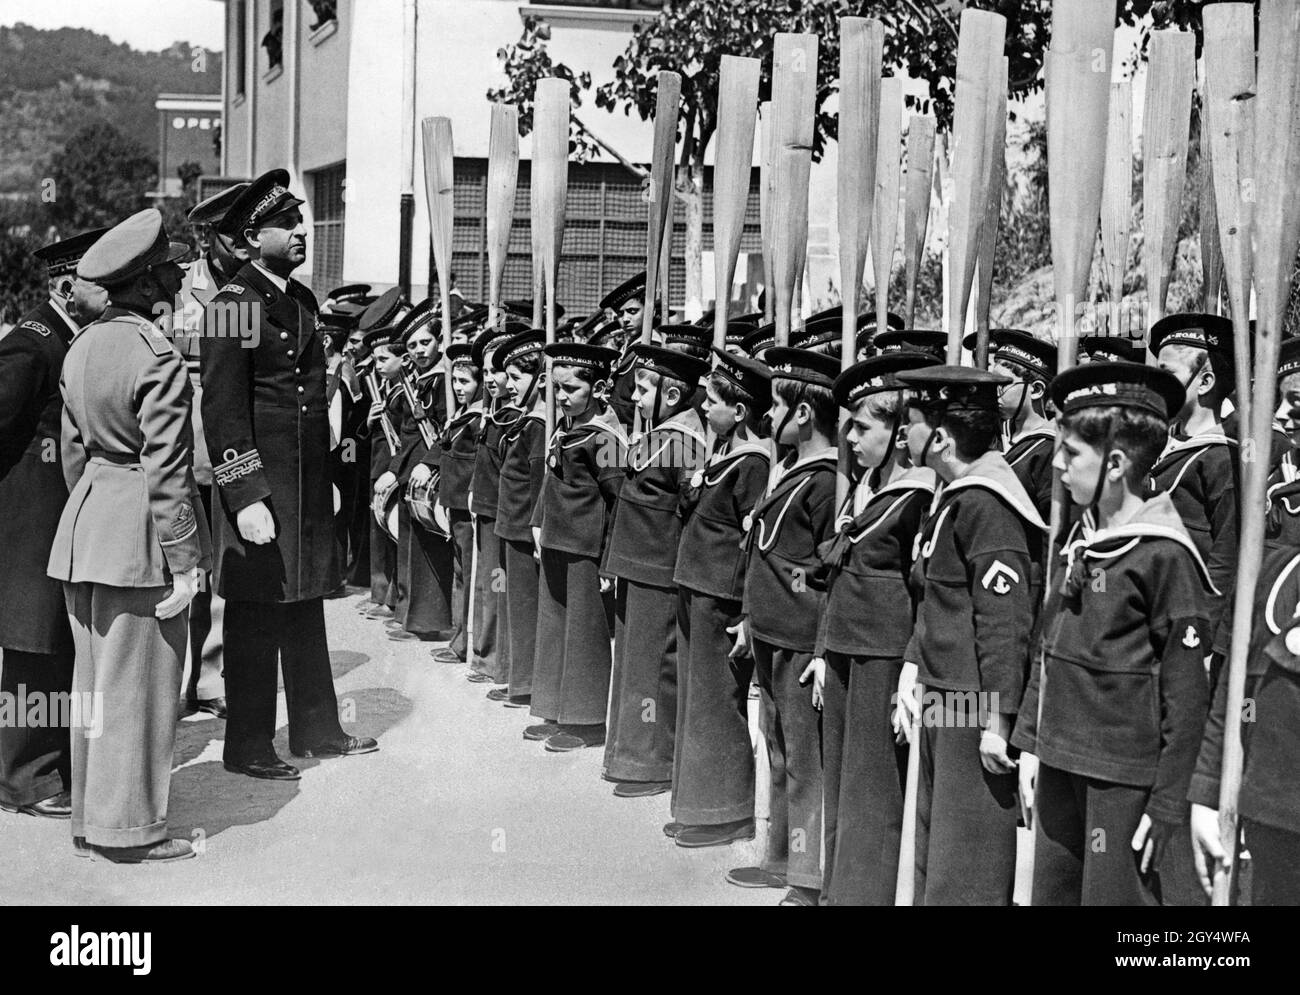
(209, 798)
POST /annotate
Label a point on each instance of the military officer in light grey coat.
(129, 545)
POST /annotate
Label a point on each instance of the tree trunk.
(691, 190)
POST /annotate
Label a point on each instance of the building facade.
(189, 131)
(316, 87)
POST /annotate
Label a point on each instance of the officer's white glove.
(256, 524)
(184, 587)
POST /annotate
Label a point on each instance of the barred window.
(327, 230)
(604, 235)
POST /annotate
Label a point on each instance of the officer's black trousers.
(35, 761)
(521, 608)
(865, 776)
(491, 637)
(713, 761)
(1082, 842)
(258, 638)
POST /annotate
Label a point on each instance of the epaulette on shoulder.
(40, 328)
(158, 343)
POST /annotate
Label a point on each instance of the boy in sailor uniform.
(1116, 701)
(977, 577)
(865, 625)
(784, 590)
(1199, 465)
(713, 762)
(642, 554)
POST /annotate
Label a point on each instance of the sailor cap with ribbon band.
(384, 312)
(420, 316)
(749, 376)
(130, 248)
(1288, 357)
(1110, 349)
(61, 257)
(211, 210)
(1122, 385)
(490, 339)
(916, 339)
(602, 330)
(737, 332)
(349, 292)
(521, 308)
(462, 354)
(385, 335)
(876, 375)
(669, 363)
(596, 358)
(802, 366)
(630, 289)
(760, 340)
(953, 388)
(1210, 332)
(517, 347)
(694, 340)
(263, 198)
(1025, 352)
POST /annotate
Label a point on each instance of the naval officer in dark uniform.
(263, 368)
(34, 633)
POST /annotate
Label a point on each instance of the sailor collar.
(881, 504)
(1156, 519)
(720, 464)
(992, 473)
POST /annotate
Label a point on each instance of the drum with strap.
(384, 507)
(422, 502)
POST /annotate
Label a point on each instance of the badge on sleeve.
(1191, 639)
(999, 578)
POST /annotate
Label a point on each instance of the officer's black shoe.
(695, 837)
(55, 807)
(541, 731)
(800, 896)
(571, 738)
(641, 789)
(755, 877)
(348, 746)
(499, 694)
(266, 770)
(213, 706)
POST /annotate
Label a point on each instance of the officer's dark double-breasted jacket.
(32, 491)
(267, 422)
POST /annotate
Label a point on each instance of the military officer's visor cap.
(628, 290)
(953, 388)
(384, 312)
(61, 257)
(752, 378)
(130, 248)
(803, 366)
(1020, 350)
(522, 346)
(596, 358)
(669, 363)
(211, 210)
(261, 200)
(876, 375)
(1123, 385)
(337, 319)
